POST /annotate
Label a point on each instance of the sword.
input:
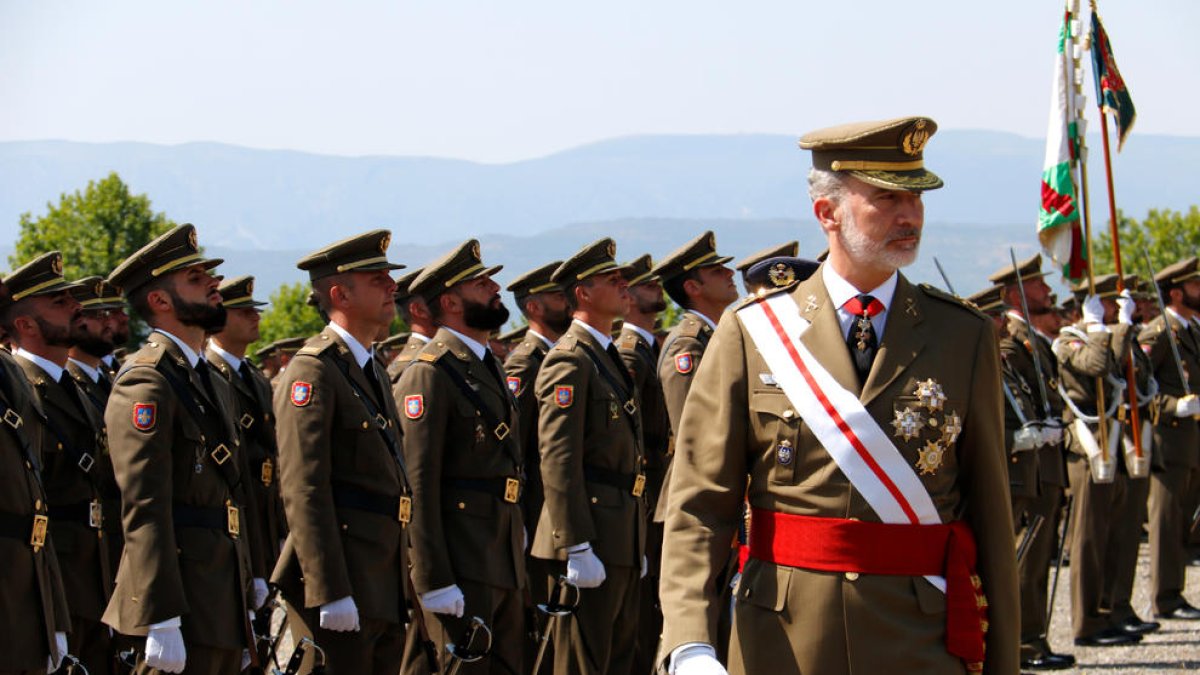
(1062, 541)
(297, 659)
(949, 286)
(463, 652)
(1037, 361)
(71, 666)
(1031, 533)
(555, 609)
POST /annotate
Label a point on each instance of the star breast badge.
(931, 394)
(908, 423)
(931, 458)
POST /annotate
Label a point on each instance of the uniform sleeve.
(676, 374)
(519, 366)
(144, 467)
(424, 440)
(562, 391)
(1084, 358)
(707, 486)
(305, 434)
(637, 368)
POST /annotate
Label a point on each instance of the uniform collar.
(541, 337)
(233, 361)
(649, 337)
(840, 291)
(601, 338)
(109, 360)
(188, 353)
(419, 337)
(476, 348)
(52, 369)
(360, 353)
(92, 373)
(711, 324)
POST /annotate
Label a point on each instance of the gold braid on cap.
(846, 165)
(360, 263)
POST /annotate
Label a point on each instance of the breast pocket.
(777, 424)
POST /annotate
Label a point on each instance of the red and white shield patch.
(145, 416)
(683, 363)
(514, 385)
(564, 396)
(301, 393)
(414, 406)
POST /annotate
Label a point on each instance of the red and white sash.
(861, 448)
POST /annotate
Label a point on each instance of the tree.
(1169, 236)
(95, 230)
(289, 315)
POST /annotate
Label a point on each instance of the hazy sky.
(507, 80)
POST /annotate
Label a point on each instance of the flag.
(1059, 227)
(1110, 87)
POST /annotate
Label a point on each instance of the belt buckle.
(404, 513)
(86, 462)
(382, 421)
(512, 490)
(37, 538)
(233, 520)
(267, 473)
(501, 431)
(95, 515)
(630, 407)
(12, 419)
(220, 454)
(246, 421)
(639, 485)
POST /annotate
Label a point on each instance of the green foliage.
(1169, 236)
(95, 229)
(289, 315)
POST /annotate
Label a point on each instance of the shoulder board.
(430, 357)
(689, 327)
(315, 347)
(937, 293)
(628, 341)
(566, 343)
(766, 293)
(1071, 332)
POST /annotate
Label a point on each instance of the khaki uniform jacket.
(583, 426)
(33, 602)
(1023, 465)
(74, 427)
(454, 456)
(404, 359)
(1016, 350)
(682, 351)
(521, 368)
(252, 401)
(1176, 441)
(97, 393)
(1083, 357)
(329, 441)
(731, 427)
(198, 573)
(642, 361)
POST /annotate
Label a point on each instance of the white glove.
(260, 592)
(54, 662)
(695, 659)
(448, 600)
(1026, 438)
(164, 647)
(1188, 406)
(1051, 435)
(584, 569)
(1125, 307)
(645, 567)
(1093, 310)
(340, 615)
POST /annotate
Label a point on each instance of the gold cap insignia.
(612, 249)
(781, 274)
(192, 239)
(712, 241)
(56, 265)
(475, 250)
(915, 139)
(98, 288)
(384, 242)
(250, 287)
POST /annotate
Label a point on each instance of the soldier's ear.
(159, 301)
(825, 210)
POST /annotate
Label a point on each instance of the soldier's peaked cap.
(1029, 268)
(96, 293)
(887, 154)
(536, 281)
(462, 264)
(41, 276)
(699, 252)
(366, 252)
(789, 249)
(238, 293)
(404, 286)
(289, 345)
(990, 300)
(1179, 272)
(640, 270)
(779, 272)
(1106, 286)
(598, 257)
(172, 251)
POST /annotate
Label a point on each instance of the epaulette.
(628, 340)
(430, 357)
(766, 293)
(148, 357)
(690, 327)
(566, 343)
(938, 294)
(315, 345)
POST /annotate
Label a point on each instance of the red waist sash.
(838, 545)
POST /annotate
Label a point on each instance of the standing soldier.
(341, 473)
(268, 361)
(1026, 334)
(1089, 352)
(183, 581)
(459, 419)
(639, 347)
(593, 524)
(286, 348)
(251, 394)
(1176, 436)
(413, 312)
(866, 413)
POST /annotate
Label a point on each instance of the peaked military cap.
(366, 252)
(238, 292)
(174, 250)
(515, 335)
(96, 293)
(786, 250)
(265, 352)
(462, 264)
(640, 271)
(887, 154)
(990, 300)
(289, 345)
(1069, 304)
(404, 285)
(1178, 272)
(699, 252)
(394, 341)
(1106, 287)
(1029, 268)
(536, 281)
(778, 272)
(598, 257)
(41, 276)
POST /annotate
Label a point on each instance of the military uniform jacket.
(404, 359)
(463, 527)
(252, 401)
(732, 426)
(583, 432)
(1082, 358)
(33, 603)
(97, 393)
(1176, 441)
(1023, 465)
(642, 361)
(75, 438)
(521, 369)
(678, 362)
(1017, 351)
(161, 424)
(331, 444)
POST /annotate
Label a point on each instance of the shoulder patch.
(937, 293)
(302, 393)
(145, 416)
(414, 406)
(514, 385)
(684, 363)
(564, 395)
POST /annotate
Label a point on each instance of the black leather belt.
(349, 497)
(30, 528)
(505, 489)
(89, 513)
(633, 483)
(221, 518)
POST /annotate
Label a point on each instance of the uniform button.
(461, 506)
(37, 505)
(345, 527)
(747, 593)
(365, 425)
(1014, 460)
(851, 576)
(28, 466)
(595, 501)
(787, 414)
(202, 439)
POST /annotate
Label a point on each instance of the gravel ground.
(1174, 648)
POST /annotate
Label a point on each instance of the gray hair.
(824, 183)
